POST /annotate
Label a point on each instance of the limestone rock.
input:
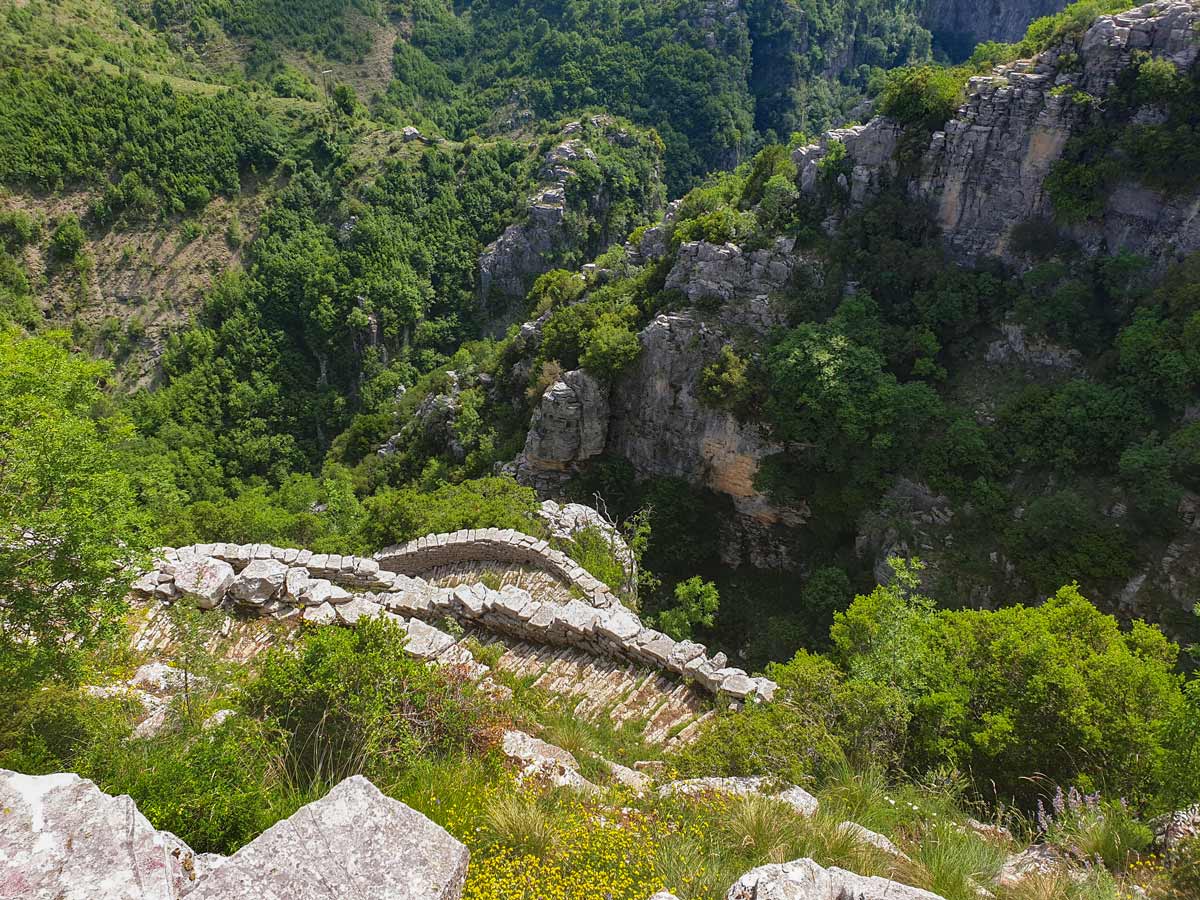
(62, 838)
(984, 174)
(958, 25)
(537, 759)
(626, 777)
(745, 786)
(800, 800)
(204, 580)
(294, 584)
(259, 582)
(803, 879)
(873, 838)
(323, 614)
(1039, 859)
(571, 423)
(1172, 830)
(741, 281)
(354, 842)
(663, 427)
(358, 608)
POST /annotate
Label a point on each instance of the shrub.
(351, 701)
(610, 347)
(952, 862)
(818, 720)
(68, 239)
(515, 820)
(1022, 691)
(921, 96)
(725, 382)
(395, 515)
(1093, 829)
(696, 603)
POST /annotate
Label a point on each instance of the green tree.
(70, 526)
(696, 604)
(68, 239)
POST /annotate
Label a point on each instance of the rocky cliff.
(571, 216)
(981, 176)
(958, 25)
(984, 173)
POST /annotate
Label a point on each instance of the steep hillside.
(795, 340)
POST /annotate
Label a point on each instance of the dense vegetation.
(351, 324)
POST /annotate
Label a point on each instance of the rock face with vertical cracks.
(984, 173)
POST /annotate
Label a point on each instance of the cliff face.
(984, 174)
(568, 216)
(981, 176)
(958, 25)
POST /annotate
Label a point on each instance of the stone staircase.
(559, 628)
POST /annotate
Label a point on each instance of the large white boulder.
(62, 838)
(803, 879)
(260, 581)
(353, 842)
(203, 579)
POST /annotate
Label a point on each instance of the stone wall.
(494, 545)
(327, 589)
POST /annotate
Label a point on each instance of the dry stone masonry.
(326, 589)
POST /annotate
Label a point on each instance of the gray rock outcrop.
(745, 786)
(570, 424)
(62, 838)
(958, 25)
(803, 879)
(984, 173)
(510, 264)
(203, 579)
(663, 427)
(538, 760)
(741, 281)
(353, 842)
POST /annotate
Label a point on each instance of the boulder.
(204, 580)
(872, 838)
(259, 582)
(1039, 859)
(353, 842)
(358, 608)
(570, 424)
(1172, 830)
(697, 787)
(62, 838)
(803, 879)
(800, 800)
(325, 614)
(294, 584)
(537, 759)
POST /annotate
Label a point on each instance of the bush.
(818, 720)
(351, 701)
(610, 347)
(68, 239)
(396, 515)
(1057, 691)
(696, 603)
(921, 96)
